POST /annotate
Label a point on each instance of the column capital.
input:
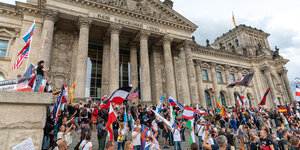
(84, 22)
(239, 69)
(50, 14)
(144, 35)
(115, 29)
(227, 67)
(167, 39)
(198, 62)
(213, 64)
(187, 43)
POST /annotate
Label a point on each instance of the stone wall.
(23, 115)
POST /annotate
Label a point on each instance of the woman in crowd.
(86, 144)
(128, 145)
(122, 132)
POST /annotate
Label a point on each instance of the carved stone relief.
(61, 58)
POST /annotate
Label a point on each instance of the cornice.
(28, 8)
(189, 26)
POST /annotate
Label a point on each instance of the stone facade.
(163, 56)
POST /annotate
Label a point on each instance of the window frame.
(232, 75)
(219, 74)
(206, 71)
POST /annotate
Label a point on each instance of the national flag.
(190, 125)
(131, 121)
(220, 107)
(189, 113)
(159, 105)
(263, 101)
(56, 92)
(171, 125)
(134, 94)
(18, 63)
(173, 102)
(111, 119)
(297, 91)
(25, 50)
(238, 101)
(145, 131)
(104, 98)
(233, 20)
(172, 115)
(29, 72)
(289, 112)
(119, 95)
(282, 109)
(29, 33)
(244, 81)
(71, 91)
(58, 104)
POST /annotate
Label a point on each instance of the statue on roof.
(276, 53)
(207, 43)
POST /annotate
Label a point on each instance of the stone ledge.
(13, 97)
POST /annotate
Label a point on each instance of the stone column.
(114, 58)
(184, 78)
(169, 70)
(255, 90)
(156, 74)
(84, 24)
(287, 86)
(191, 73)
(105, 67)
(229, 90)
(133, 66)
(271, 85)
(50, 17)
(200, 83)
(240, 76)
(145, 67)
(215, 83)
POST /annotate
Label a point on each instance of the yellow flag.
(233, 19)
(71, 91)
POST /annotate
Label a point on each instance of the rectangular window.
(219, 75)
(232, 77)
(205, 75)
(3, 48)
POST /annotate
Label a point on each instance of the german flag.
(283, 109)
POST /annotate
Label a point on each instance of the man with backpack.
(84, 115)
(102, 133)
(283, 142)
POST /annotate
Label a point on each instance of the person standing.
(102, 133)
(121, 136)
(86, 144)
(136, 138)
(177, 138)
(40, 75)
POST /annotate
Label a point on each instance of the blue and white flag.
(29, 33)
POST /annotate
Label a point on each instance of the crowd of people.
(252, 129)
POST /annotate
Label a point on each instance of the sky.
(280, 18)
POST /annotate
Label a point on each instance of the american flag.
(24, 53)
(134, 94)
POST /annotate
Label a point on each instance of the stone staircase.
(76, 137)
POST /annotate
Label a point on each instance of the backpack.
(84, 112)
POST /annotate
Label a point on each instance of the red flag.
(263, 101)
(297, 91)
(111, 119)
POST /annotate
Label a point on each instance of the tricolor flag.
(112, 117)
(134, 94)
(238, 101)
(29, 33)
(244, 81)
(173, 102)
(172, 115)
(104, 98)
(29, 72)
(297, 91)
(189, 113)
(190, 125)
(71, 91)
(282, 109)
(117, 97)
(263, 101)
(58, 104)
(233, 20)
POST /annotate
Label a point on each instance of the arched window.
(235, 96)
(237, 42)
(207, 99)
(230, 46)
(1, 77)
(223, 100)
(249, 99)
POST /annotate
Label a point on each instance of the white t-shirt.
(123, 131)
(176, 134)
(137, 140)
(154, 125)
(200, 130)
(86, 145)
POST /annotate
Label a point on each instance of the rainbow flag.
(220, 107)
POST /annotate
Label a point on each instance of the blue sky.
(280, 18)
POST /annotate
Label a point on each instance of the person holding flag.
(40, 75)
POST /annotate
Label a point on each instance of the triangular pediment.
(6, 33)
(150, 8)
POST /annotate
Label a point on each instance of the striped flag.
(282, 109)
(18, 63)
(173, 102)
(58, 103)
(297, 91)
(71, 91)
(233, 20)
(112, 117)
(220, 107)
(134, 94)
(263, 101)
(104, 98)
(189, 113)
(190, 125)
(29, 33)
(172, 115)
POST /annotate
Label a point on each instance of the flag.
(58, 103)
(104, 98)
(29, 72)
(18, 63)
(56, 92)
(282, 109)
(134, 94)
(145, 131)
(111, 119)
(220, 107)
(297, 91)
(71, 91)
(173, 102)
(19, 84)
(244, 81)
(25, 50)
(233, 20)
(189, 113)
(171, 125)
(159, 105)
(29, 33)
(263, 101)
(289, 112)
(172, 115)
(132, 122)
(238, 101)
(117, 97)
(190, 125)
